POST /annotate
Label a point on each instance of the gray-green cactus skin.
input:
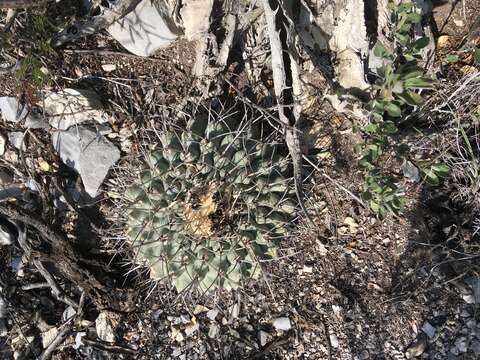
(210, 204)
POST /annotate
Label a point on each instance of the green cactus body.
(209, 205)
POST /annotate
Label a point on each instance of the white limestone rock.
(72, 107)
(145, 29)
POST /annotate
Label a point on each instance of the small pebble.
(191, 329)
(364, 355)
(336, 309)
(68, 313)
(3, 328)
(105, 325)
(109, 67)
(282, 323)
(469, 299)
(213, 331)
(234, 311)
(334, 341)
(16, 139)
(199, 309)
(428, 329)
(263, 337)
(6, 238)
(212, 314)
(417, 348)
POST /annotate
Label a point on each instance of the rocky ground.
(354, 287)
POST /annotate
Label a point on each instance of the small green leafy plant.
(31, 66)
(395, 92)
(209, 205)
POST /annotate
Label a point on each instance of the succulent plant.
(210, 203)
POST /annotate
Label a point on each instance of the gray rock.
(263, 337)
(3, 307)
(35, 121)
(32, 185)
(3, 328)
(428, 329)
(410, 171)
(109, 67)
(364, 355)
(68, 314)
(16, 139)
(234, 311)
(6, 177)
(17, 264)
(474, 282)
(105, 325)
(176, 352)
(89, 153)
(6, 237)
(184, 319)
(145, 29)
(72, 107)
(49, 336)
(417, 347)
(191, 329)
(3, 143)
(213, 331)
(461, 344)
(12, 110)
(468, 298)
(333, 340)
(475, 346)
(282, 323)
(212, 314)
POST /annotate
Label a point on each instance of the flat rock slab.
(89, 153)
(72, 107)
(144, 30)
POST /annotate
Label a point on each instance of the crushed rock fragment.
(282, 323)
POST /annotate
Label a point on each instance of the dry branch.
(91, 275)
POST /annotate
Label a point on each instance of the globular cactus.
(209, 205)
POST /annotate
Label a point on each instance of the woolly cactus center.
(199, 210)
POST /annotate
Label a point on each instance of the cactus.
(210, 203)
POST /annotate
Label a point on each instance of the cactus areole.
(210, 205)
